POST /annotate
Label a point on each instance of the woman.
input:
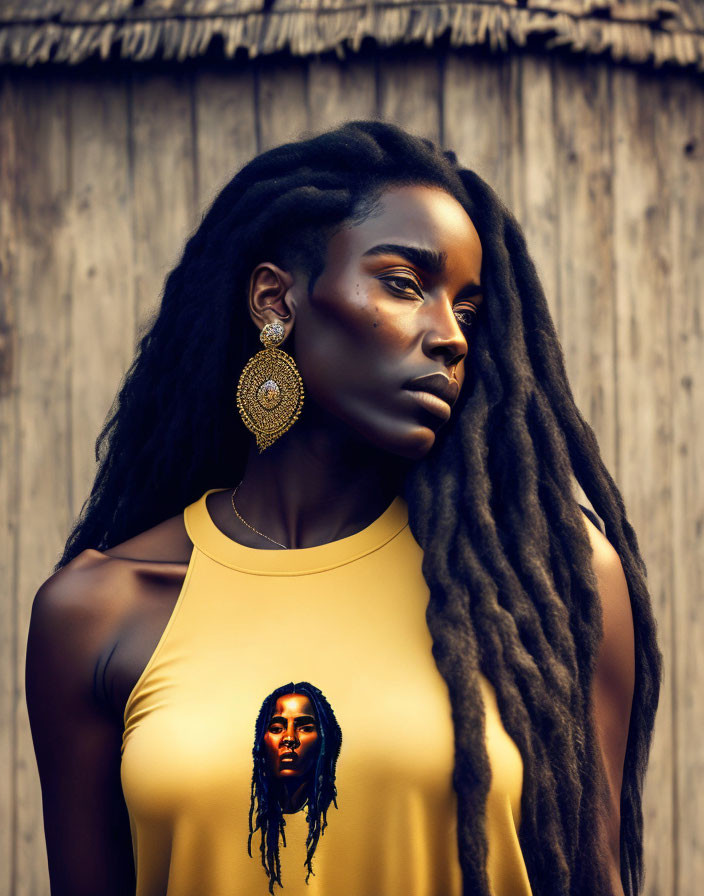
(296, 746)
(397, 523)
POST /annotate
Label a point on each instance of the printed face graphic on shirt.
(291, 741)
(297, 741)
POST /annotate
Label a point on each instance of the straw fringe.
(655, 32)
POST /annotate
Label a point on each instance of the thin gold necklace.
(240, 517)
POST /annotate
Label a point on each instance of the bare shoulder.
(76, 626)
(614, 683)
(167, 542)
(617, 657)
(92, 593)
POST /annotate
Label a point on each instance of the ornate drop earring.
(270, 389)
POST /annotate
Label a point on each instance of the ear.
(269, 297)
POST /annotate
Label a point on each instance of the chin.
(412, 440)
(414, 445)
(421, 448)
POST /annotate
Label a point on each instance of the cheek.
(309, 748)
(355, 309)
(310, 741)
(348, 342)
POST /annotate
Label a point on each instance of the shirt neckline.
(210, 541)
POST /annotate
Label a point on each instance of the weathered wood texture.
(103, 178)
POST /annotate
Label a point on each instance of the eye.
(276, 728)
(406, 283)
(466, 317)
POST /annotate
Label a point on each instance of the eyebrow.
(432, 261)
(296, 719)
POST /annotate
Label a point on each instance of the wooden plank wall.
(103, 175)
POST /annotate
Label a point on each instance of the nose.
(444, 335)
(290, 739)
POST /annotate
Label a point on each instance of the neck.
(292, 795)
(318, 483)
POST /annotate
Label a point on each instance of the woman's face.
(392, 305)
(291, 740)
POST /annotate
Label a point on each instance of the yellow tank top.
(367, 736)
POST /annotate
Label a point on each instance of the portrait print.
(296, 746)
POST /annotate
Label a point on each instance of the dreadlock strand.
(605, 496)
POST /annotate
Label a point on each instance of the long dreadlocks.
(506, 555)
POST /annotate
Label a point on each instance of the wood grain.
(100, 235)
(9, 466)
(683, 118)
(226, 128)
(409, 87)
(476, 99)
(341, 91)
(163, 177)
(282, 108)
(584, 243)
(643, 394)
(534, 175)
(43, 276)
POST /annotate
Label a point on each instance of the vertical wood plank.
(642, 207)
(43, 304)
(9, 460)
(226, 128)
(100, 232)
(683, 118)
(409, 91)
(282, 109)
(164, 192)
(583, 243)
(476, 96)
(534, 170)
(340, 91)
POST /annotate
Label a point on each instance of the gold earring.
(270, 389)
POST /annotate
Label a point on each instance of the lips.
(437, 384)
(289, 755)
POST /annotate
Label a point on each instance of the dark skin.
(371, 323)
(291, 746)
(359, 336)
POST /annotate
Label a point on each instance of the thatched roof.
(70, 31)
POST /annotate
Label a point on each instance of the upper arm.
(76, 743)
(614, 681)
